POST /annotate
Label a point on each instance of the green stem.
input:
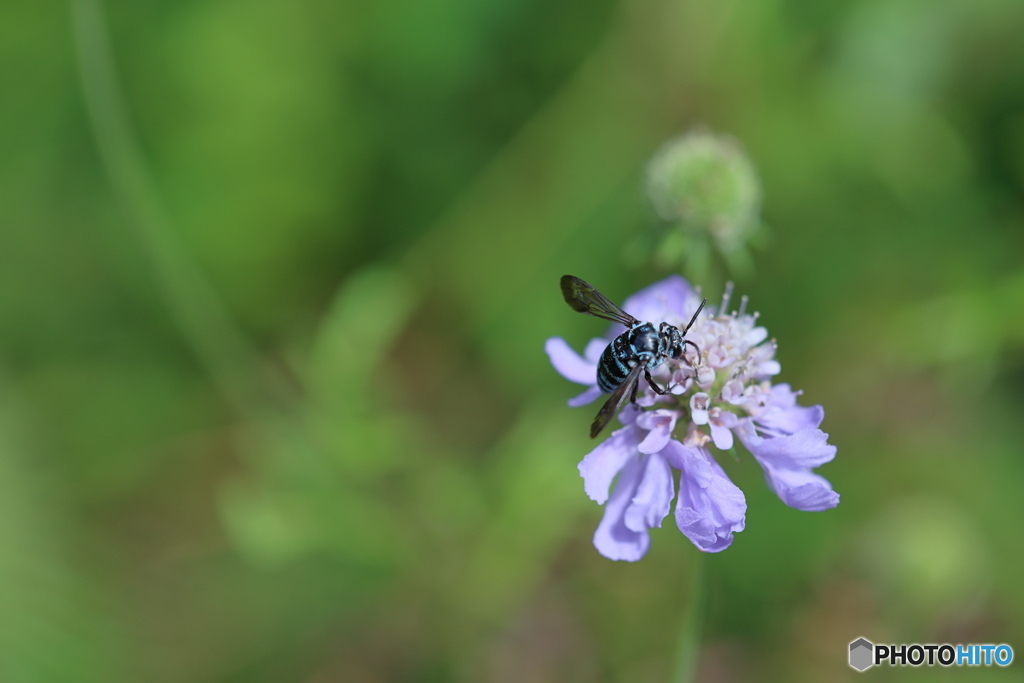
(236, 367)
(688, 645)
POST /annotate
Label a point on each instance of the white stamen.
(726, 296)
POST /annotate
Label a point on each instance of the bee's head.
(672, 339)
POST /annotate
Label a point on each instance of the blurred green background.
(273, 398)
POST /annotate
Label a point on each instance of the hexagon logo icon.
(862, 654)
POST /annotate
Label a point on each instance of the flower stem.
(244, 377)
(690, 631)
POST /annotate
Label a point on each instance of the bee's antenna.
(694, 318)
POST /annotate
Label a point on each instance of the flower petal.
(722, 436)
(722, 422)
(613, 538)
(801, 450)
(699, 403)
(595, 347)
(653, 496)
(802, 489)
(599, 467)
(783, 416)
(568, 363)
(629, 414)
(660, 423)
(669, 300)
(709, 508)
(755, 336)
(588, 396)
(787, 463)
(732, 392)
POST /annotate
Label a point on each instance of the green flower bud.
(706, 191)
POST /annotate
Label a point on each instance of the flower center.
(731, 376)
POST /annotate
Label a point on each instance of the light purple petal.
(709, 508)
(783, 416)
(667, 300)
(613, 538)
(646, 399)
(588, 396)
(600, 465)
(787, 463)
(802, 450)
(595, 347)
(722, 436)
(755, 336)
(722, 421)
(653, 496)
(629, 414)
(802, 489)
(699, 403)
(732, 393)
(660, 424)
(568, 363)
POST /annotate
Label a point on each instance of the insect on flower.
(727, 395)
(641, 348)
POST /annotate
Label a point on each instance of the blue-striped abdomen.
(640, 344)
(616, 362)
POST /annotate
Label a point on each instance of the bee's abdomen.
(616, 362)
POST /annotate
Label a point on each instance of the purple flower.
(724, 394)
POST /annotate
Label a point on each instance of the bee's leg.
(687, 341)
(657, 389)
(632, 395)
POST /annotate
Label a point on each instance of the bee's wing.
(611, 406)
(585, 299)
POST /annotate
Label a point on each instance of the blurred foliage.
(273, 401)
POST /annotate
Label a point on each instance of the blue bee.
(641, 348)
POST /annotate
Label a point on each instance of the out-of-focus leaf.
(357, 332)
(56, 623)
